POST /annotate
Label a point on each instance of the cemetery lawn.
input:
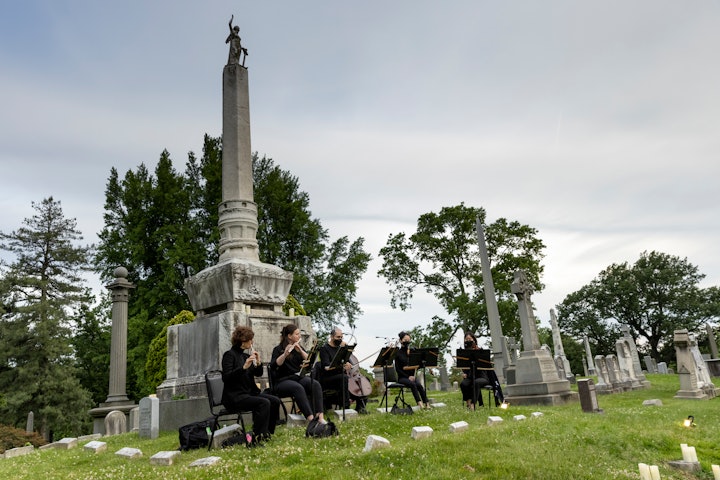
(564, 443)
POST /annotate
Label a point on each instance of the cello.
(358, 384)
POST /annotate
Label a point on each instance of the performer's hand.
(411, 378)
(289, 349)
(348, 366)
(257, 357)
(248, 363)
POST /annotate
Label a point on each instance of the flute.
(252, 354)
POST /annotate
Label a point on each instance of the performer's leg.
(260, 408)
(291, 388)
(274, 411)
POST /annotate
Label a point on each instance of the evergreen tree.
(43, 289)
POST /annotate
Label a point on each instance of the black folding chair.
(391, 383)
(214, 384)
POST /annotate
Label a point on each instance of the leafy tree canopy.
(655, 296)
(442, 257)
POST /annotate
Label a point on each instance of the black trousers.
(303, 390)
(337, 383)
(265, 409)
(416, 388)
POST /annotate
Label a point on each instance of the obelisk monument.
(239, 290)
(501, 359)
(558, 346)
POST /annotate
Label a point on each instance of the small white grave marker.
(66, 443)
(458, 427)
(519, 418)
(205, 462)
(95, 446)
(421, 432)
(493, 420)
(373, 442)
(129, 452)
(164, 458)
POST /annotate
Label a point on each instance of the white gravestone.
(149, 423)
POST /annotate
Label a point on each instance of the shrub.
(11, 437)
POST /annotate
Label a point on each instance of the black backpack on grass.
(195, 435)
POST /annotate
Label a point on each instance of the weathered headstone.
(115, 423)
(149, 422)
(692, 382)
(560, 358)
(519, 418)
(536, 378)
(618, 381)
(30, 425)
(588, 356)
(588, 396)
(650, 364)
(18, 451)
(134, 419)
(603, 380)
(662, 368)
(629, 360)
(711, 341)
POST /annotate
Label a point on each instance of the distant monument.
(536, 378)
(695, 381)
(239, 290)
(560, 358)
(629, 360)
(588, 356)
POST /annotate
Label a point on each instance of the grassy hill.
(564, 443)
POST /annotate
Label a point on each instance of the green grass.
(564, 443)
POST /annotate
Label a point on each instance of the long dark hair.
(288, 329)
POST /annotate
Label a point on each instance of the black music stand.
(474, 359)
(424, 357)
(341, 357)
(385, 359)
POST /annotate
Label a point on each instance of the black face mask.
(405, 344)
(337, 342)
(469, 343)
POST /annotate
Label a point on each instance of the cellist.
(337, 378)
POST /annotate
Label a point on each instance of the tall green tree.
(442, 258)
(655, 296)
(43, 288)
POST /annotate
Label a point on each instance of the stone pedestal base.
(198, 347)
(537, 382)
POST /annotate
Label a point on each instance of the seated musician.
(287, 361)
(406, 372)
(483, 377)
(240, 392)
(337, 378)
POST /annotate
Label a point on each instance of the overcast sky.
(594, 122)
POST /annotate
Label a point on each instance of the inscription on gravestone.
(149, 417)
